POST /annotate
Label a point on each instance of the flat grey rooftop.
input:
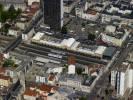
(110, 51)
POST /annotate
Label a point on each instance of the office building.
(53, 13)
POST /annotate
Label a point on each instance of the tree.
(83, 98)
(1, 7)
(8, 63)
(79, 71)
(19, 11)
(11, 9)
(12, 12)
(106, 91)
(131, 15)
(64, 30)
(4, 16)
(83, 24)
(91, 36)
(6, 28)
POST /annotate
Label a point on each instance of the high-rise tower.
(53, 13)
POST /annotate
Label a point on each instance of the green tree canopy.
(91, 36)
(11, 9)
(8, 63)
(19, 11)
(79, 71)
(64, 30)
(4, 16)
(83, 24)
(1, 7)
(83, 98)
(12, 12)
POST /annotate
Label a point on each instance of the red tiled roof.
(30, 92)
(71, 60)
(1, 57)
(2, 70)
(92, 12)
(46, 88)
(51, 77)
(5, 77)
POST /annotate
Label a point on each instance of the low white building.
(71, 69)
(110, 28)
(22, 22)
(68, 42)
(87, 15)
(115, 9)
(106, 18)
(21, 25)
(27, 36)
(114, 41)
(69, 5)
(31, 1)
(14, 31)
(83, 11)
(5, 81)
(38, 36)
(41, 79)
(52, 79)
(74, 81)
(55, 70)
(99, 51)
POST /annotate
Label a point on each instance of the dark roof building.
(109, 52)
(53, 13)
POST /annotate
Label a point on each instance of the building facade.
(53, 13)
(122, 80)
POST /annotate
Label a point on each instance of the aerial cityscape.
(66, 49)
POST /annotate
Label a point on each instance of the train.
(55, 55)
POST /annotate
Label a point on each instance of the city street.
(114, 65)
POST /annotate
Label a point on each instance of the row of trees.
(8, 63)
(11, 13)
(64, 30)
(91, 36)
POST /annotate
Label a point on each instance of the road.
(113, 65)
(18, 40)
